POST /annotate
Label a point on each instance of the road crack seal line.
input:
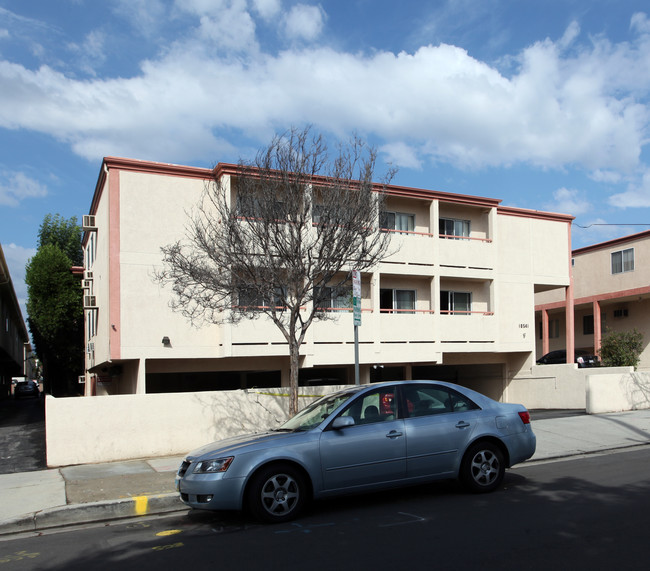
(417, 519)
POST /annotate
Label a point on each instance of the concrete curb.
(93, 512)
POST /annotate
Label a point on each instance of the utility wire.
(603, 224)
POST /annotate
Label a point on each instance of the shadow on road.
(22, 435)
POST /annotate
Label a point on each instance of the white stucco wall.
(104, 429)
(618, 391)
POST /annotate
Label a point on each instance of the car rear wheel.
(483, 467)
(277, 493)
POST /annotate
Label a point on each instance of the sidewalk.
(33, 501)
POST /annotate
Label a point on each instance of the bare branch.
(270, 240)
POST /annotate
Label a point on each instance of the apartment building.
(611, 292)
(14, 340)
(455, 299)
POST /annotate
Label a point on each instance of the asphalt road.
(22, 435)
(584, 513)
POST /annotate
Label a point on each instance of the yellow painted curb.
(141, 504)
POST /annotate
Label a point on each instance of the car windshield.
(315, 413)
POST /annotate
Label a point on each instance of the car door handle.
(393, 434)
(462, 424)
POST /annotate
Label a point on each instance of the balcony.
(478, 253)
(411, 248)
(467, 327)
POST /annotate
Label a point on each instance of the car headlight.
(213, 466)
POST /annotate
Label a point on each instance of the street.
(577, 513)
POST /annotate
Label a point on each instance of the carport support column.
(545, 341)
(598, 333)
(141, 377)
(570, 325)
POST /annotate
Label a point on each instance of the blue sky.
(544, 104)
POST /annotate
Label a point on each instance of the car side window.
(376, 406)
(427, 400)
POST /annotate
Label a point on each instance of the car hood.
(235, 444)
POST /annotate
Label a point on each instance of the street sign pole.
(356, 305)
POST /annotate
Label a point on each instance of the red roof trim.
(231, 169)
(612, 243)
(524, 213)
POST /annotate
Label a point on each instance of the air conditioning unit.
(87, 284)
(90, 301)
(88, 223)
(82, 379)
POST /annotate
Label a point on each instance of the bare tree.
(281, 240)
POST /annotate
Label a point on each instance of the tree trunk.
(294, 365)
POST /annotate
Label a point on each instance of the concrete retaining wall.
(618, 391)
(84, 430)
(104, 429)
(598, 390)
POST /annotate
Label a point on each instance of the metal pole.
(356, 355)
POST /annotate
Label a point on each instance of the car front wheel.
(483, 467)
(277, 494)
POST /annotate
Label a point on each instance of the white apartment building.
(455, 301)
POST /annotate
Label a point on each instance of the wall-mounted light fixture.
(166, 341)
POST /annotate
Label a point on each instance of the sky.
(543, 104)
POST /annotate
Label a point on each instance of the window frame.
(393, 309)
(617, 260)
(451, 303)
(393, 227)
(344, 295)
(458, 224)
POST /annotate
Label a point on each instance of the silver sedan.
(362, 438)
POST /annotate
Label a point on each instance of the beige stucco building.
(455, 300)
(611, 291)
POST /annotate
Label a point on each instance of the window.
(377, 406)
(587, 324)
(329, 298)
(253, 300)
(554, 328)
(454, 302)
(427, 400)
(91, 323)
(91, 251)
(451, 227)
(623, 261)
(397, 300)
(398, 221)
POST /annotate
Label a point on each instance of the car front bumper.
(210, 491)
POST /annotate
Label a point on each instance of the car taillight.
(525, 417)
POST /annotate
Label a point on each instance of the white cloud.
(17, 186)
(401, 155)
(267, 9)
(226, 24)
(304, 22)
(606, 176)
(640, 23)
(637, 194)
(570, 201)
(143, 16)
(90, 53)
(584, 106)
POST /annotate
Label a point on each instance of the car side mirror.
(342, 422)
